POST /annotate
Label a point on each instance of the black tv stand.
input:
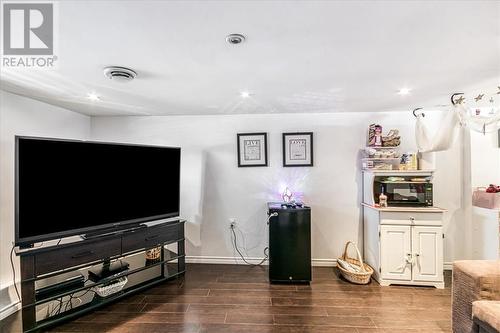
(113, 230)
(56, 263)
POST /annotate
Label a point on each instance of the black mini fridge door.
(289, 244)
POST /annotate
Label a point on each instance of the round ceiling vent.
(119, 73)
(235, 39)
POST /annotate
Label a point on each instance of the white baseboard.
(9, 309)
(9, 303)
(253, 260)
(324, 262)
(237, 261)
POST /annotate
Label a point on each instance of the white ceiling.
(310, 56)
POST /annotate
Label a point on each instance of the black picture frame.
(263, 160)
(308, 159)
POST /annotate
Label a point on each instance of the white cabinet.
(395, 251)
(404, 246)
(427, 251)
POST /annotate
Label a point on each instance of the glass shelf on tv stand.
(137, 263)
(140, 270)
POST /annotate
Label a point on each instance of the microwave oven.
(404, 193)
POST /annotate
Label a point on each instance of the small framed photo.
(298, 149)
(252, 149)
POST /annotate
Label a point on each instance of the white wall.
(483, 241)
(215, 189)
(485, 159)
(24, 116)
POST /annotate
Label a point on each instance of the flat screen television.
(66, 187)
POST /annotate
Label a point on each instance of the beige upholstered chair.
(486, 316)
(473, 280)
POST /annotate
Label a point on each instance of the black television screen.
(67, 188)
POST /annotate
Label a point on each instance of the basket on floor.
(364, 271)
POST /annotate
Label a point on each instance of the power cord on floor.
(234, 239)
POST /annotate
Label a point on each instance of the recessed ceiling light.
(235, 39)
(245, 94)
(93, 97)
(404, 91)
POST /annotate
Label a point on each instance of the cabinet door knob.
(412, 219)
(409, 259)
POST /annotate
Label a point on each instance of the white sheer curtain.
(436, 138)
(437, 135)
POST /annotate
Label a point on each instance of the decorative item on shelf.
(493, 188)
(354, 270)
(367, 164)
(383, 164)
(409, 161)
(381, 152)
(488, 198)
(287, 195)
(382, 199)
(154, 254)
(392, 139)
(375, 135)
(376, 139)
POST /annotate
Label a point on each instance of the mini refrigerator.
(289, 242)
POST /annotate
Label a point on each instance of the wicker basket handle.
(360, 259)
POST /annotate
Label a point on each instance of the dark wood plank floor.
(235, 298)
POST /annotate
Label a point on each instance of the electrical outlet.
(232, 222)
